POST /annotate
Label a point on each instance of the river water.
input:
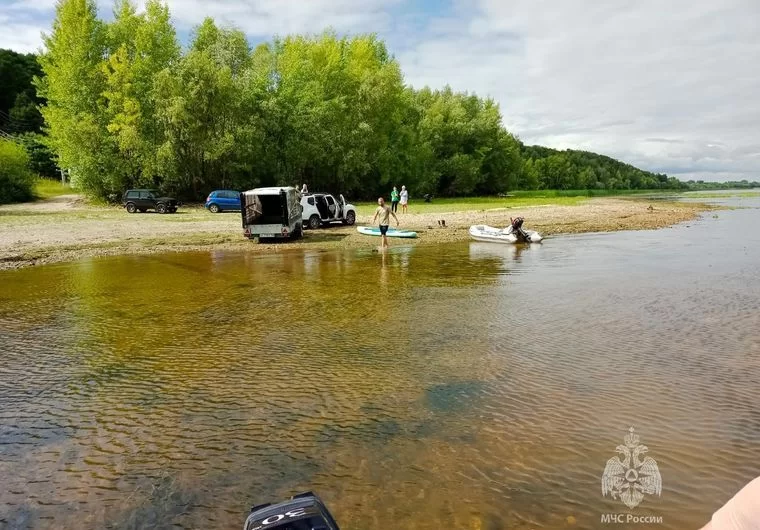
(462, 386)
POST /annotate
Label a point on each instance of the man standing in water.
(384, 213)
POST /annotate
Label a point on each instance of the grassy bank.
(475, 204)
(724, 195)
(515, 199)
(589, 193)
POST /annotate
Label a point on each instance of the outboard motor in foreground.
(304, 511)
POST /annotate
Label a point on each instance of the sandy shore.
(66, 228)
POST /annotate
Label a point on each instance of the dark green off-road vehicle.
(143, 200)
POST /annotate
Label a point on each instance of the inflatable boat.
(514, 233)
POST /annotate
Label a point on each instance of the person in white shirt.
(404, 198)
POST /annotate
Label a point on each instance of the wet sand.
(66, 229)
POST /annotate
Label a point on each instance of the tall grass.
(48, 188)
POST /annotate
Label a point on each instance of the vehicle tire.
(142, 210)
(161, 207)
(298, 232)
(214, 208)
(315, 222)
(350, 218)
(131, 208)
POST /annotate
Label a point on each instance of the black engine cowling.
(304, 511)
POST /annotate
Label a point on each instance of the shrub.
(16, 179)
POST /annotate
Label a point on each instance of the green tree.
(123, 115)
(73, 84)
(472, 151)
(42, 160)
(333, 112)
(24, 116)
(141, 46)
(198, 105)
(529, 177)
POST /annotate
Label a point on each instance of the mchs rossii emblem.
(628, 477)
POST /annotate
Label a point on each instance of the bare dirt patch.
(61, 203)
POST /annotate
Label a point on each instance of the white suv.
(322, 208)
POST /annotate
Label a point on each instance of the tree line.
(701, 185)
(124, 105)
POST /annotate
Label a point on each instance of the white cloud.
(29, 5)
(19, 36)
(669, 86)
(264, 18)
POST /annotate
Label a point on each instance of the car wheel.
(131, 208)
(315, 222)
(350, 218)
(161, 208)
(214, 208)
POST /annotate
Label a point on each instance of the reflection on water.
(465, 386)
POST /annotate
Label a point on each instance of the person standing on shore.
(384, 212)
(394, 200)
(404, 198)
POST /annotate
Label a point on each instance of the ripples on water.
(467, 386)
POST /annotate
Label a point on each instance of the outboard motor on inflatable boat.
(517, 230)
(304, 511)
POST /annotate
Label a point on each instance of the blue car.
(223, 200)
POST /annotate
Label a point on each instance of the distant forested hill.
(546, 168)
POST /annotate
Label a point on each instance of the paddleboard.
(392, 232)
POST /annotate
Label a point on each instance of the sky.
(671, 86)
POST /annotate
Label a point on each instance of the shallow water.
(464, 386)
